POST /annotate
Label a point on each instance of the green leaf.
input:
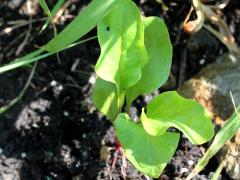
(149, 154)
(105, 98)
(81, 25)
(121, 38)
(171, 110)
(218, 171)
(45, 8)
(36, 56)
(54, 11)
(56, 7)
(27, 59)
(159, 50)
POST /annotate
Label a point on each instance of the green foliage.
(45, 7)
(171, 110)
(159, 49)
(81, 25)
(217, 173)
(123, 53)
(135, 59)
(147, 153)
(105, 98)
(52, 13)
(29, 58)
(36, 56)
(225, 134)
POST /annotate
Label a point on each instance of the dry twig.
(207, 12)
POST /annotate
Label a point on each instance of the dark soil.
(55, 132)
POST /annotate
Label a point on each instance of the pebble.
(183, 170)
(92, 79)
(78, 164)
(82, 120)
(190, 162)
(23, 155)
(84, 136)
(65, 113)
(53, 83)
(54, 174)
(60, 87)
(202, 61)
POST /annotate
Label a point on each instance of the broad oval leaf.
(171, 110)
(81, 25)
(149, 154)
(105, 98)
(159, 49)
(121, 38)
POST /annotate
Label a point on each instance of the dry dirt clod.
(211, 87)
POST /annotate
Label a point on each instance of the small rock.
(84, 136)
(65, 113)
(183, 170)
(105, 153)
(66, 155)
(53, 83)
(133, 114)
(92, 79)
(212, 86)
(23, 155)
(190, 163)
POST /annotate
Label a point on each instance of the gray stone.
(211, 87)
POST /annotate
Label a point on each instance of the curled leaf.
(171, 110)
(149, 154)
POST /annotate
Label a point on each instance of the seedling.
(135, 59)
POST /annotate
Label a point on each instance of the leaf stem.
(128, 106)
(121, 100)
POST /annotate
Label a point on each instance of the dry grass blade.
(20, 96)
(206, 12)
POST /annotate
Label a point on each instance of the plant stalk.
(121, 100)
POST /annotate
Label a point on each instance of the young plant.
(135, 59)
